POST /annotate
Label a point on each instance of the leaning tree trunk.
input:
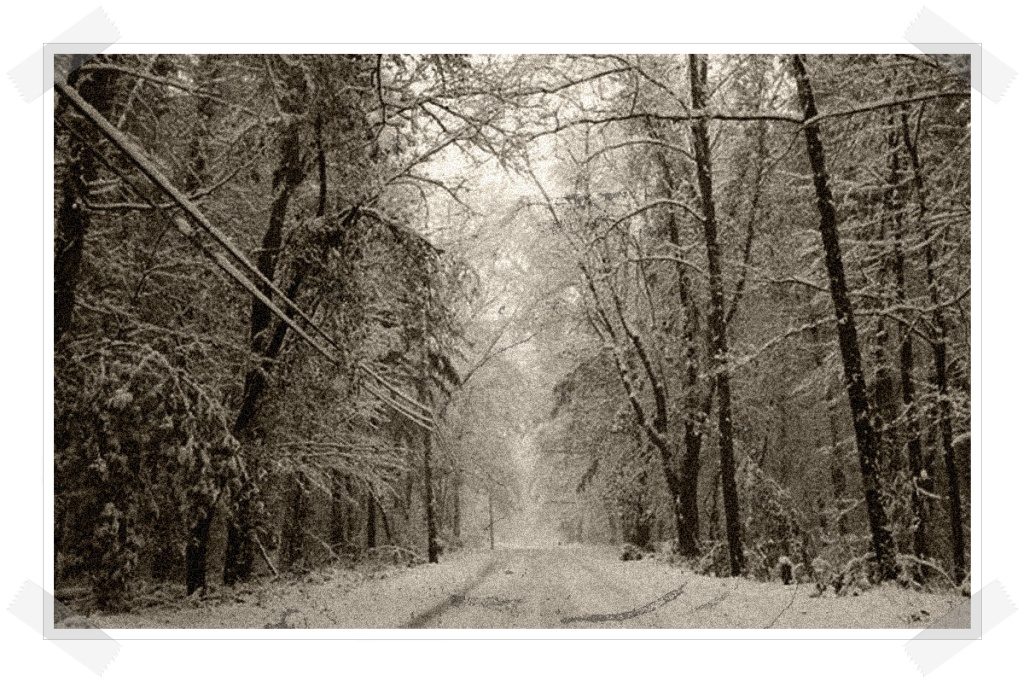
(240, 554)
(863, 422)
(716, 315)
(939, 351)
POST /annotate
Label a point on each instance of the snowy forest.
(393, 328)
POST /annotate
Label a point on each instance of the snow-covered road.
(551, 587)
(574, 587)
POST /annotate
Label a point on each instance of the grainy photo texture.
(512, 341)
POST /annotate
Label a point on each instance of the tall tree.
(698, 70)
(940, 363)
(73, 215)
(846, 329)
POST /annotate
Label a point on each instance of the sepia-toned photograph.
(512, 341)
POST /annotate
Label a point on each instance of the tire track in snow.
(632, 613)
(457, 598)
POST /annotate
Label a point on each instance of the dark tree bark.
(641, 535)
(687, 507)
(886, 409)
(72, 220)
(836, 465)
(920, 477)
(424, 395)
(680, 481)
(409, 480)
(196, 548)
(836, 470)
(428, 497)
(863, 415)
(941, 369)
(655, 428)
(339, 512)
(265, 344)
(292, 536)
(287, 179)
(698, 69)
(388, 537)
(885, 382)
(196, 552)
(371, 520)
(632, 500)
(352, 518)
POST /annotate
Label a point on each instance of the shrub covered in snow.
(631, 552)
(771, 524)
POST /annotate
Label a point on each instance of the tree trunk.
(656, 428)
(238, 560)
(886, 410)
(196, 552)
(288, 177)
(292, 537)
(339, 524)
(837, 472)
(457, 507)
(920, 477)
(240, 551)
(685, 494)
(885, 387)
(371, 520)
(198, 540)
(863, 416)
(644, 520)
(716, 315)
(939, 350)
(410, 479)
(425, 397)
(388, 538)
(428, 496)
(351, 519)
(72, 220)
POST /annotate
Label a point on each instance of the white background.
(23, 252)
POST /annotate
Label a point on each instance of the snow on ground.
(553, 587)
(335, 598)
(710, 602)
